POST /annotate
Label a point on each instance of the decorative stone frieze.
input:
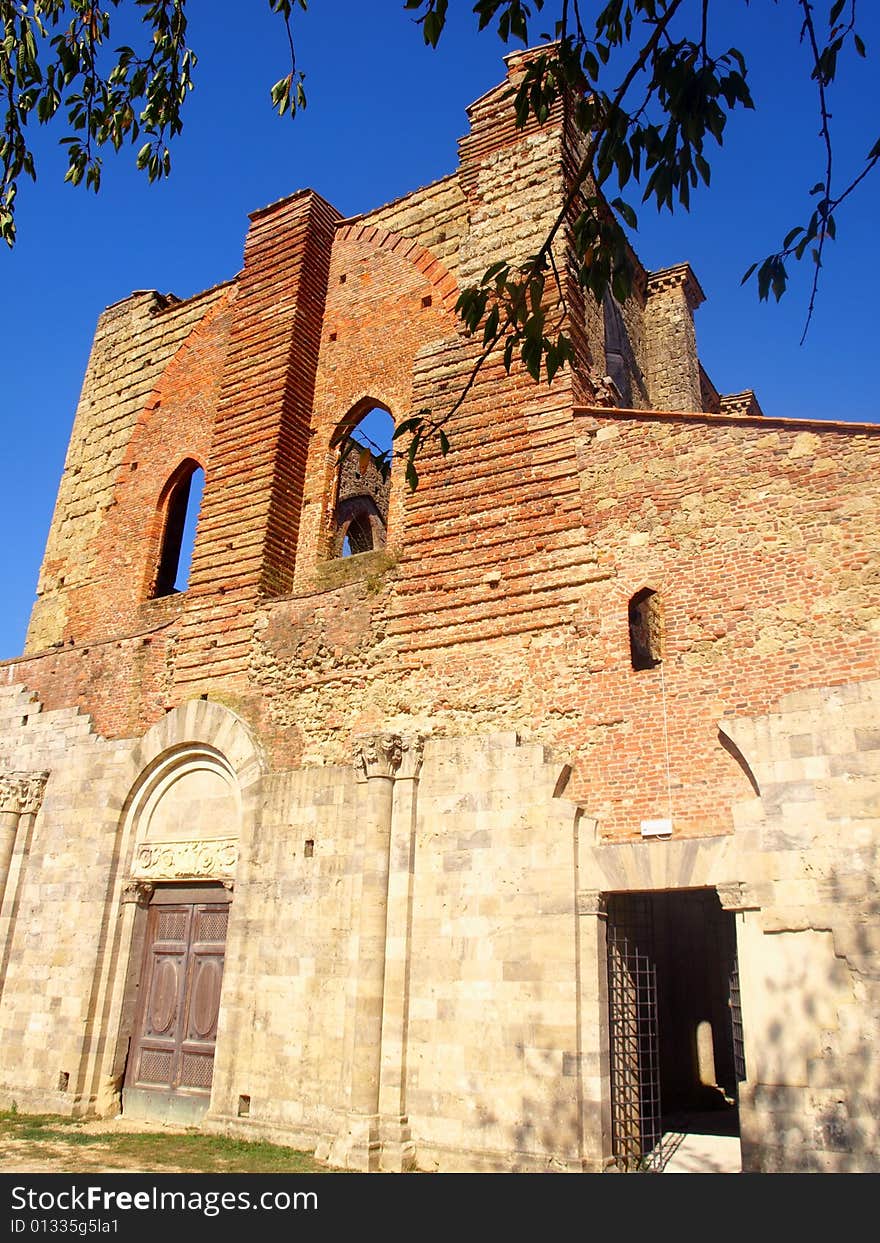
(186, 860)
(378, 755)
(22, 793)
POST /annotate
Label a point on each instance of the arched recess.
(177, 511)
(360, 490)
(198, 753)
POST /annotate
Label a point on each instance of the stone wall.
(472, 1033)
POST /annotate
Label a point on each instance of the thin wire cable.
(666, 741)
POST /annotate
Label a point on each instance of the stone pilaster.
(377, 759)
(593, 1042)
(20, 796)
(397, 1148)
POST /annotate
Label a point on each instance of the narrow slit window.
(178, 537)
(645, 630)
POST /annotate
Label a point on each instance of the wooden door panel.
(166, 987)
(204, 998)
(176, 1030)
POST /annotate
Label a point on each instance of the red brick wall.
(177, 423)
(253, 496)
(759, 538)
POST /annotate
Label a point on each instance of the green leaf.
(411, 424)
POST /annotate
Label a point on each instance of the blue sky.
(383, 118)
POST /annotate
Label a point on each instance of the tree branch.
(825, 130)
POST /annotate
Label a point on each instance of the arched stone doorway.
(192, 796)
(187, 816)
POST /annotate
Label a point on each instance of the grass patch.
(192, 1152)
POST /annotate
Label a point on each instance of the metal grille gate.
(736, 1022)
(636, 1115)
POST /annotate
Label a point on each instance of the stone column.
(378, 759)
(20, 797)
(397, 1151)
(595, 1071)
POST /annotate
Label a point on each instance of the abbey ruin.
(480, 827)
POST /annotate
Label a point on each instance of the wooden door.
(176, 1026)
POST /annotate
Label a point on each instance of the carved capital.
(208, 859)
(412, 752)
(736, 896)
(137, 892)
(591, 902)
(22, 793)
(378, 755)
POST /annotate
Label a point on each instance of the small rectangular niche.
(309, 848)
(63, 1081)
(244, 1106)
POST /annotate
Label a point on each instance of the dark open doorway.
(675, 1030)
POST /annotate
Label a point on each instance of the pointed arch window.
(179, 505)
(364, 446)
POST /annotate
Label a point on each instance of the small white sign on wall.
(656, 828)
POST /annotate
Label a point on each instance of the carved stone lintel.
(213, 859)
(591, 902)
(378, 755)
(736, 896)
(412, 752)
(138, 892)
(22, 793)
